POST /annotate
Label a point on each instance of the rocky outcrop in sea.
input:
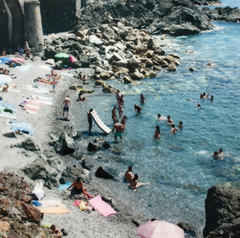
(222, 209)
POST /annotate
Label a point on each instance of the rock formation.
(222, 209)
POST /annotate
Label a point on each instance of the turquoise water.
(179, 167)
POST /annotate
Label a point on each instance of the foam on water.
(179, 167)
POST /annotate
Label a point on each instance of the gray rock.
(95, 40)
(108, 89)
(101, 173)
(28, 145)
(65, 145)
(135, 63)
(172, 67)
(137, 75)
(101, 83)
(127, 79)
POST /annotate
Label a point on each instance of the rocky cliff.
(222, 208)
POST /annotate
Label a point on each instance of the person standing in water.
(157, 133)
(119, 128)
(169, 120)
(128, 175)
(123, 121)
(180, 125)
(89, 116)
(66, 105)
(142, 99)
(137, 108)
(114, 114)
(174, 129)
(120, 110)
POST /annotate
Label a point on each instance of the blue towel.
(64, 186)
(36, 203)
(8, 106)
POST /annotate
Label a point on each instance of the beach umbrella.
(5, 59)
(160, 229)
(18, 60)
(61, 56)
(4, 79)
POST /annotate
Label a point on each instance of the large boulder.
(101, 173)
(183, 21)
(137, 75)
(28, 144)
(222, 208)
(33, 214)
(135, 63)
(65, 145)
(97, 144)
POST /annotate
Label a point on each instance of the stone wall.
(3, 24)
(59, 15)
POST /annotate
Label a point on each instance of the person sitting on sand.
(128, 175)
(77, 185)
(157, 132)
(119, 128)
(123, 122)
(134, 184)
(161, 118)
(56, 232)
(142, 99)
(66, 104)
(174, 129)
(137, 108)
(5, 89)
(169, 120)
(120, 110)
(84, 79)
(114, 114)
(54, 73)
(80, 76)
(80, 98)
(180, 125)
(199, 106)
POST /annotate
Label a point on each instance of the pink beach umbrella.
(160, 229)
(18, 60)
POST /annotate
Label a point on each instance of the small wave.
(216, 28)
(202, 152)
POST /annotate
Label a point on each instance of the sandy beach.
(47, 120)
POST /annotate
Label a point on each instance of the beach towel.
(42, 99)
(37, 89)
(8, 115)
(102, 206)
(44, 67)
(64, 186)
(31, 109)
(72, 59)
(7, 105)
(54, 210)
(25, 67)
(33, 102)
(76, 203)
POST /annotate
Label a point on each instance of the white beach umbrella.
(5, 79)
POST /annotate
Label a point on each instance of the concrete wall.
(3, 27)
(59, 15)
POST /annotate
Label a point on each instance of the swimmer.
(174, 129)
(212, 97)
(190, 100)
(134, 184)
(121, 100)
(118, 95)
(80, 98)
(142, 99)
(137, 108)
(220, 152)
(199, 106)
(161, 118)
(216, 155)
(201, 96)
(157, 132)
(169, 120)
(128, 175)
(180, 125)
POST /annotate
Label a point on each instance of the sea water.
(178, 166)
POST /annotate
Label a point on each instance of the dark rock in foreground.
(101, 173)
(222, 207)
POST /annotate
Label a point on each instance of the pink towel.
(72, 59)
(102, 206)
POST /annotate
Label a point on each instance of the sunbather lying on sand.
(77, 185)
